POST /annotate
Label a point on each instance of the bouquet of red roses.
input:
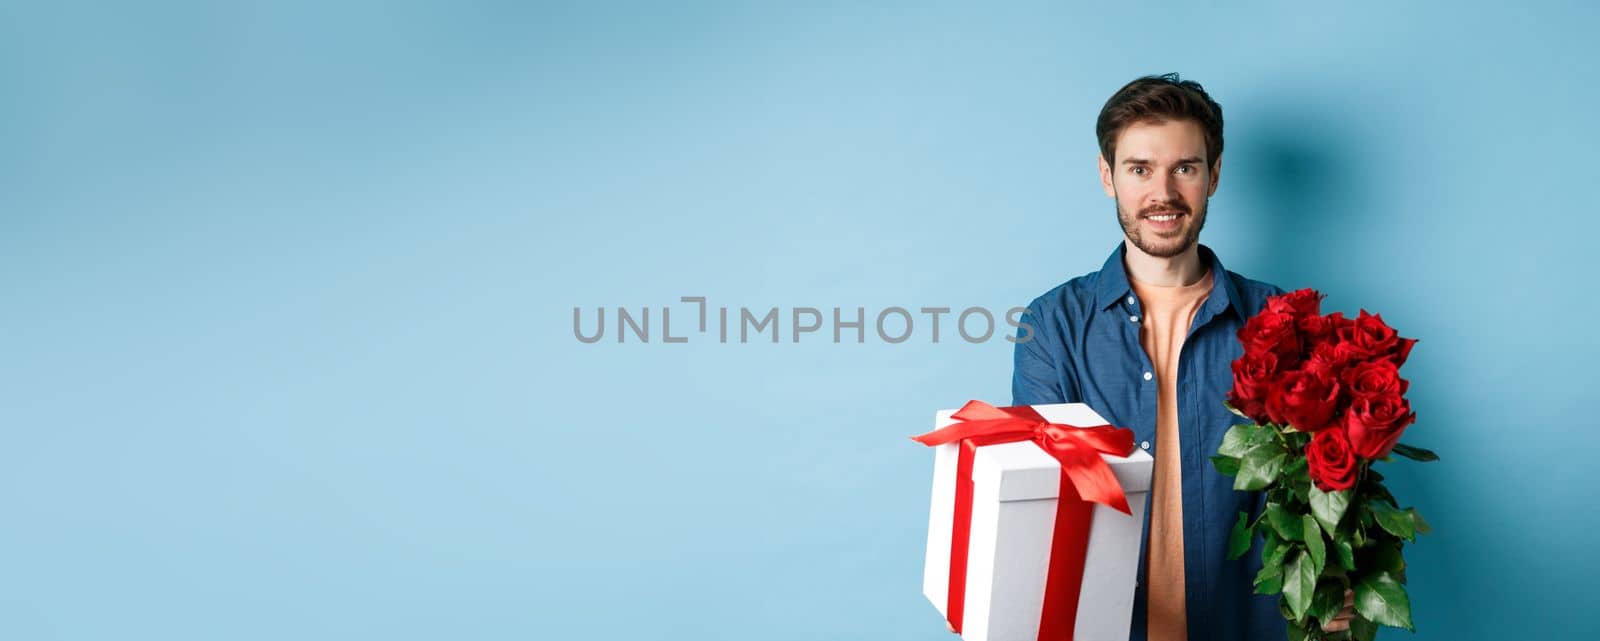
(1324, 400)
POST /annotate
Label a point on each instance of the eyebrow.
(1191, 160)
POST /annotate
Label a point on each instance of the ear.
(1216, 175)
(1105, 178)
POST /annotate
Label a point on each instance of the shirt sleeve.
(1040, 365)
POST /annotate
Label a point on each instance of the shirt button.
(1131, 301)
(1144, 444)
(1134, 319)
(1147, 376)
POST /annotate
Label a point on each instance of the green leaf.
(1379, 491)
(1362, 630)
(1393, 520)
(1383, 600)
(1328, 601)
(1415, 453)
(1329, 507)
(1270, 579)
(1299, 583)
(1314, 546)
(1285, 524)
(1258, 469)
(1239, 538)
(1387, 558)
(1298, 479)
(1273, 548)
(1347, 555)
(1226, 464)
(1233, 409)
(1241, 438)
(1297, 633)
(1277, 494)
(1421, 525)
(1260, 455)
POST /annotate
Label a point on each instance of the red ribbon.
(1085, 479)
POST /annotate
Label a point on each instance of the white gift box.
(1013, 523)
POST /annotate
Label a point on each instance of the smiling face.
(1161, 183)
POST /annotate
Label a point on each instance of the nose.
(1166, 187)
(1163, 191)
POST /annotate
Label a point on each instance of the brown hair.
(1159, 99)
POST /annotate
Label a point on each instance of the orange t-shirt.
(1167, 314)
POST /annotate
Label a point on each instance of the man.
(1148, 342)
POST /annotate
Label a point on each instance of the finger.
(1336, 625)
(1349, 598)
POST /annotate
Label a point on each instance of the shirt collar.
(1114, 283)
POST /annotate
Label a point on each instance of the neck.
(1183, 269)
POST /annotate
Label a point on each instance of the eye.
(1139, 170)
(1185, 169)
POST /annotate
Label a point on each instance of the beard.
(1164, 246)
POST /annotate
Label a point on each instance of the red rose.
(1398, 356)
(1304, 400)
(1252, 380)
(1368, 337)
(1304, 302)
(1375, 423)
(1374, 378)
(1315, 329)
(1326, 361)
(1273, 332)
(1330, 461)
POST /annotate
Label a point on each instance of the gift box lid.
(1022, 471)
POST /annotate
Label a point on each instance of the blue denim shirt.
(1085, 349)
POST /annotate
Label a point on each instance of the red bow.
(1077, 448)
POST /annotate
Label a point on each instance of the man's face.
(1161, 183)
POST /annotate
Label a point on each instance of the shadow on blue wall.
(1303, 183)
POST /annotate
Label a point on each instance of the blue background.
(286, 295)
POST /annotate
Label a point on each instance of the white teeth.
(1163, 219)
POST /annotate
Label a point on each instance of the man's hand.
(1341, 622)
(949, 627)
